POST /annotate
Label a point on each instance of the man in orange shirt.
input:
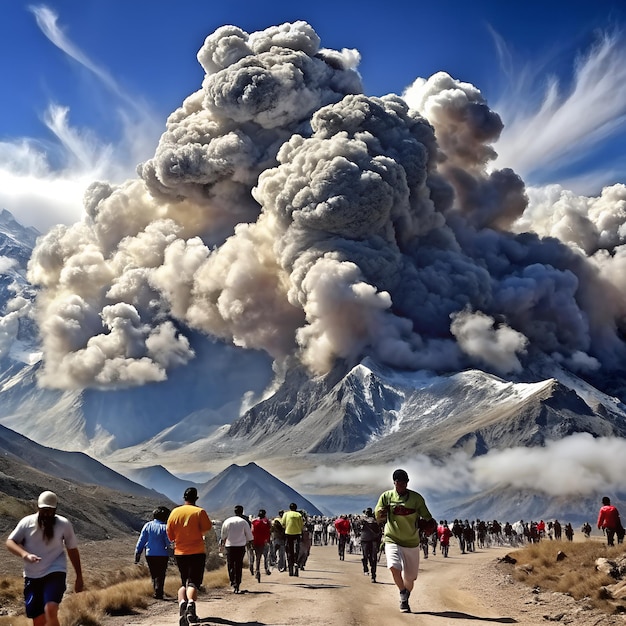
(186, 527)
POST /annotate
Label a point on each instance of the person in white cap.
(41, 540)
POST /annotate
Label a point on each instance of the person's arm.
(75, 560)
(600, 518)
(141, 543)
(19, 550)
(381, 510)
(205, 522)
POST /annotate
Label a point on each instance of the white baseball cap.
(47, 499)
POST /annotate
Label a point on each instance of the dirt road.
(333, 592)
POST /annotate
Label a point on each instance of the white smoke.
(286, 211)
(576, 465)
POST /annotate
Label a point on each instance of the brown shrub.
(575, 575)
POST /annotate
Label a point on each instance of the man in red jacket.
(342, 525)
(609, 521)
(261, 531)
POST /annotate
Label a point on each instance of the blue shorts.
(40, 591)
(191, 568)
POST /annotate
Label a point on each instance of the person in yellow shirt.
(186, 527)
(293, 524)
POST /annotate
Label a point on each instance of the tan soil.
(461, 590)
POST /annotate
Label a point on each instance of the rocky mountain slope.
(217, 411)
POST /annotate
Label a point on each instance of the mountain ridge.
(218, 411)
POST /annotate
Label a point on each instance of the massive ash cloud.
(286, 211)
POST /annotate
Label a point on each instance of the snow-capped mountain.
(217, 411)
(375, 412)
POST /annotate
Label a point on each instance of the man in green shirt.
(402, 509)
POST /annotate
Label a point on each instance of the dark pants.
(370, 556)
(234, 562)
(158, 567)
(341, 546)
(292, 548)
(261, 551)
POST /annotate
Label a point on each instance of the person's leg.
(258, 552)
(181, 563)
(230, 565)
(373, 551)
(161, 574)
(290, 550)
(52, 614)
(196, 574)
(250, 553)
(281, 555)
(240, 552)
(266, 560)
(158, 567)
(364, 556)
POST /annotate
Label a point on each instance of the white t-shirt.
(29, 535)
(236, 531)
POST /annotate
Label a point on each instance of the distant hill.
(101, 503)
(253, 488)
(158, 478)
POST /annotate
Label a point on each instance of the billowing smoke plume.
(286, 211)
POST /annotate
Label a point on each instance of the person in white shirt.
(235, 536)
(41, 540)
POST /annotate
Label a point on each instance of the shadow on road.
(227, 622)
(459, 615)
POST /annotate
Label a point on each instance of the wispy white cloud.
(47, 22)
(542, 136)
(42, 182)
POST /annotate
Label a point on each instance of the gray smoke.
(284, 210)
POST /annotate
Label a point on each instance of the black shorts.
(39, 591)
(191, 568)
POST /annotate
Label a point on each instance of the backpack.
(277, 529)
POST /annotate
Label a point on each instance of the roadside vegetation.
(122, 591)
(575, 573)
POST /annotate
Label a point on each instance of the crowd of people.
(400, 526)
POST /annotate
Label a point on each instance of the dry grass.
(109, 591)
(90, 607)
(575, 575)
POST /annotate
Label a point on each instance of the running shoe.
(404, 601)
(192, 618)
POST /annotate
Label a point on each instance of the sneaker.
(404, 601)
(268, 572)
(182, 609)
(373, 579)
(191, 612)
(258, 577)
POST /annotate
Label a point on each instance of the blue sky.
(88, 85)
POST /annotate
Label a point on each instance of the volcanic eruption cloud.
(286, 211)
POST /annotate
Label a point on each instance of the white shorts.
(407, 560)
